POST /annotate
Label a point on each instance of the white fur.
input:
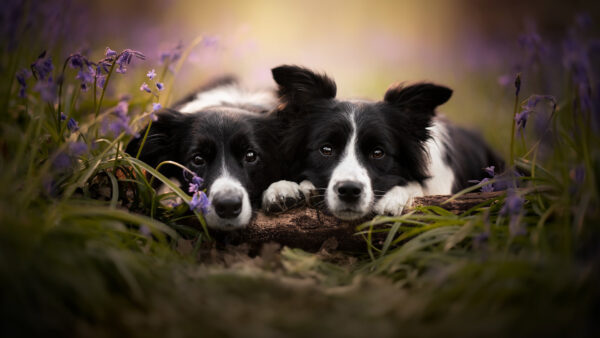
(441, 176)
(278, 192)
(349, 169)
(230, 186)
(229, 95)
(396, 199)
(307, 187)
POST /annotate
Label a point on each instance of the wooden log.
(311, 229)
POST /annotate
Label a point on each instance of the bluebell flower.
(47, 89)
(125, 59)
(156, 107)
(199, 202)
(22, 76)
(102, 66)
(512, 204)
(160, 86)
(490, 170)
(151, 74)
(77, 61)
(173, 54)
(195, 184)
(61, 161)
(42, 66)
(110, 53)
(486, 187)
(120, 121)
(84, 76)
(63, 116)
(521, 119)
(100, 81)
(78, 148)
(72, 125)
(144, 87)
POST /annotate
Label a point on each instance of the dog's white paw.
(307, 187)
(397, 199)
(281, 195)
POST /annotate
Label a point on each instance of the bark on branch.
(310, 229)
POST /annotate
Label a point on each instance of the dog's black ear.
(163, 139)
(422, 97)
(298, 85)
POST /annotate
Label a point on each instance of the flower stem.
(61, 81)
(112, 67)
(137, 156)
(512, 132)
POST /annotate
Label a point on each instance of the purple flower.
(77, 61)
(61, 161)
(121, 69)
(22, 76)
(84, 76)
(100, 81)
(156, 107)
(110, 53)
(120, 121)
(160, 86)
(196, 184)
(102, 66)
(47, 89)
(42, 66)
(521, 119)
(490, 170)
(72, 125)
(486, 187)
(127, 54)
(151, 74)
(78, 148)
(144, 87)
(63, 116)
(172, 55)
(199, 202)
(512, 204)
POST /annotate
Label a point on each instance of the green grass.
(90, 251)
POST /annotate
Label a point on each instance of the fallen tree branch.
(311, 229)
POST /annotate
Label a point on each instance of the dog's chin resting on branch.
(311, 228)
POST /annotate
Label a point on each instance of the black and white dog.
(364, 156)
(226, 135)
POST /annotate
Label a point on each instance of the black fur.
(312, 117)
(212, 134)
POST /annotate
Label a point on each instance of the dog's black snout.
(227, 206)
(348, 191)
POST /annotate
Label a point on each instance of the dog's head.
(354, 151)
(230, 149)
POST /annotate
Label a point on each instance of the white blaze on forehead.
(350, 169)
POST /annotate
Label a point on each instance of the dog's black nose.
(348, 191)
(227, 206)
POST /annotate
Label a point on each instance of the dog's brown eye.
(377, 153)
(326, 150)
(250, 156)
(198, 161)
